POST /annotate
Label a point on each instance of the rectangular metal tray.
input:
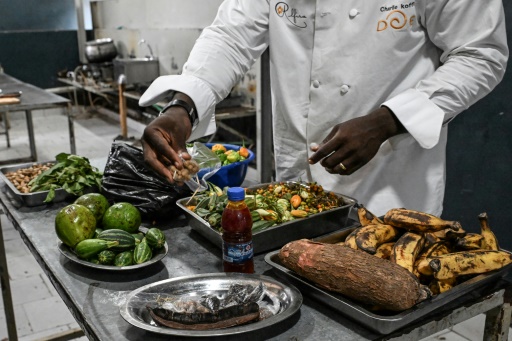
(382, 324)
(277, 236)
(30, 199)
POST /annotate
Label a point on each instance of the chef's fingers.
(324, 150)
(151, 158)
(164, 145)
(347, 166)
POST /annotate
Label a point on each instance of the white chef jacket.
(332, 61)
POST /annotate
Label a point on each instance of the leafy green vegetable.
(72, 173)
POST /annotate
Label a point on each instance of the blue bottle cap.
(236, 194)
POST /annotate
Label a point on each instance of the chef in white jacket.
(373, 83)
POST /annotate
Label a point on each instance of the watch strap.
(192, 114)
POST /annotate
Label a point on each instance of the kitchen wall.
(38, 39)
(170, 27)
(479, 165)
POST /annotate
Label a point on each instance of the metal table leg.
(6, 291)
(497, 323)
(30, 127)
(71, 129)
(5, 117)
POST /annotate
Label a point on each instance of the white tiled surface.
(39, 311)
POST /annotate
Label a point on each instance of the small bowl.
(231, 175)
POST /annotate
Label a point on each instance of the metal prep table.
(94, 296)
(33, 98)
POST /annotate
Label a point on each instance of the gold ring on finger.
(343, 166)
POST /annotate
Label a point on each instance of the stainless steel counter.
(94, 296)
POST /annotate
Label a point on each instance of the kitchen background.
(38, 41)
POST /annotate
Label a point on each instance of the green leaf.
(72, 173)
(50, 196)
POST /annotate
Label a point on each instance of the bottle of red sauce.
(237, 250)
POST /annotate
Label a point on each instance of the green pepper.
(222, 157)
(233, 157)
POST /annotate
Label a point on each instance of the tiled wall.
(171, 27)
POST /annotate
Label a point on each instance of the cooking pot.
(100, 50)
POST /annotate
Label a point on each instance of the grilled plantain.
(406, 250)
(468, 263)
(471, 241)
(418, 221)
(369, 237)
(491, 241)
(350, 241)
(366, 217)
(384, 250)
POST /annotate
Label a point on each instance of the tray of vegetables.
(38, 183)
(281, 212)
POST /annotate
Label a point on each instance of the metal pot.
(100, 50)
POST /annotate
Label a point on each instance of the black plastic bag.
(127, 178)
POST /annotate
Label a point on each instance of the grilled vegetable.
(468, 263)
(385, 250)
(417, 221)
(471, 241)
(366, 217)
(369, 237)
(491, 241)
(406, 250)
(223, 318)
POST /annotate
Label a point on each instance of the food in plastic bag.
(202, 158)
(127, 178)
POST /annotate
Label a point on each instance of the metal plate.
(276, 236)
(69, 254)
(383, 324)
(134, 310)
(36, 198)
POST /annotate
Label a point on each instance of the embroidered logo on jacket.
(396, 18)
(283, 10)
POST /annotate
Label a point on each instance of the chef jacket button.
(316, 84)
(353, 13)
(344, 89)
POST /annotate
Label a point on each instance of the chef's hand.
(164, 139)
(352, 144)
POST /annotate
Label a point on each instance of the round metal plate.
(134, 310)
(69, 254)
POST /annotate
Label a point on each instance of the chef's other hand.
(352, 144)
(164, 139)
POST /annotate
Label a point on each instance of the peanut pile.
(190, 169)
(21, 177)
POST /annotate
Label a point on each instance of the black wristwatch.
(192, 114)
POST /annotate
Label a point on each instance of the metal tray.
(69, 254)
(383, 324)
(278, 235)
(134, 309)
(36, 198)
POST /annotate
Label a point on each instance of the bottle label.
(237, 253)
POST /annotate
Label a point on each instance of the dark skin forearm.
(355, 142)
(164, 139)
